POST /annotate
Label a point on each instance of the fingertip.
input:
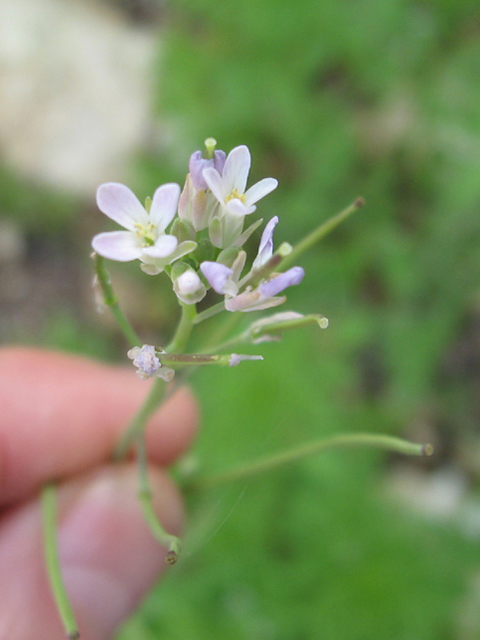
(108, 555)
(172, 430)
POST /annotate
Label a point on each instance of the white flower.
(145, 238)
(148, 364)
(229, 186)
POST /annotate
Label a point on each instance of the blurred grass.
(372, 98)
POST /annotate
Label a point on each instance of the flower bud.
(189, 288)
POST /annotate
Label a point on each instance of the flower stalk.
(140, 420)
(110, 299)
(49, 516)
(171, 542)
(321, 231)
(367, 440)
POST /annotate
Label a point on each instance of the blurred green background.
(371, 98)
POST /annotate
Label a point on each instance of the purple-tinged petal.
(260, 190)
(243, 301)
(236, 169)
(122, 246)
(120, 204)
(265, 250)
(219, 158)
(237, 208)
(216, 274)
(215, 184)
(279, 283)
(164, 246)
(164, 205)
(196, 165)
(252, 301)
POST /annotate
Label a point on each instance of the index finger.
(62, 414)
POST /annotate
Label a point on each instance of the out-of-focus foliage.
(371, 98)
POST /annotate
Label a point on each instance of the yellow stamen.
(146, 233)
(235, 195)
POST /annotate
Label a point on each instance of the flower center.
(235, 195)
(146, 233)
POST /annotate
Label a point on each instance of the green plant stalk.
(172, 542)
(210, 312)
(111, 301)
(312, 448)
(157, 392)
(320, 232)
(184, 329)
(49, 515)
(274, 328)
(139, 421)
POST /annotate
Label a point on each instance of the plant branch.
(110, 299)
(172, 543)
(320, 232)
(49, 516)
(349, 440)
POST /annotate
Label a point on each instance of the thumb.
(109, 558)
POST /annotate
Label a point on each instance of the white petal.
(237, 208)
(119, 203)
(163, 247)
(215, 184)
(122, 246)
(260, 190)
(164, 205)
(236, 169)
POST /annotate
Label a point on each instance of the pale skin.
(60, 417)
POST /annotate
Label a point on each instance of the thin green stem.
(139, 421)
(157, 392)
(49, 514)
(210, 312)
(110, 299)
(312, 448)
(172, 543)
(320, 232)
(184, 329)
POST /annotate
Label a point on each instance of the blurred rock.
(439, 495)
(75, 90)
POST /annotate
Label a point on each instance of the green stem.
(210, 312)
(320, 232)
(312, 448)
(184, 329)
(49, 513)
(110, 299)
(139, 421)
(172, 543)
(157, 392)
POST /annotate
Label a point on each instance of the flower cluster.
(196, 235)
